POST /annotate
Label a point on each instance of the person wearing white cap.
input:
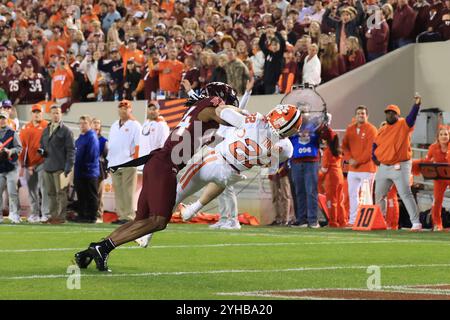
(10, 148)
(154, 130)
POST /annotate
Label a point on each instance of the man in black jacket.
(58, 149)
(273, 66)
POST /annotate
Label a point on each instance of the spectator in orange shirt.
(334, 183)
(170, 73)
(57, 45)
(32, 164)
(131, 52)
(358, 136)
(392, 152)
(62, 80)
(88, 15)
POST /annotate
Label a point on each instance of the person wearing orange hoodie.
(359, 136)
(32, 164)
(439, 152)
(334, 183)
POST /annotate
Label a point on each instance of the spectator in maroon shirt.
(444, 28)
(354, 57)
(435, 16)
(192, 73)
(403, 24)
(31, 85)
(332, 62)
(422, 7)
(28, 55)
(377, 37)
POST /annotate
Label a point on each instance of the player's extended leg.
(138, 228)
(210, 192)
(154, 212)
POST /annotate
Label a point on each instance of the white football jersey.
(252, 145)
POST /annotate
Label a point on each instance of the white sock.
(195, 207)
(192, 210)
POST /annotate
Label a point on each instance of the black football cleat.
(83, 259)
(100, 256)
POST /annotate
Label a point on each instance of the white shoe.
(44, 219)
(144, 241)
(33, 219)
(218, 224)
(186, 212)
(305, 225)
(14, 218)
(416, 227)
(314, 226)
(231, 224)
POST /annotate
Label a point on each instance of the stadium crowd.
(99, 50)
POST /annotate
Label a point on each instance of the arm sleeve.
(262, 44)
(191, 93)
(70, 151)
(374, 157)
(17, 145)
(233, 118)
(367, 154)
(287, 150)
(22, 154)
(328, 20)
(282, 42)
(346, 144)
(92, 150)
(244, 100)
(429, 156)
(412, 116)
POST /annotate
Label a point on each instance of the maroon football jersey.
(13, 87)
(189, 134)
(32, 89)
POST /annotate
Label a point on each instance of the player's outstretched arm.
(225, 114)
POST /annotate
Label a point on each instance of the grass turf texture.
(193, 262)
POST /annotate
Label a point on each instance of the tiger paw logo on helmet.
(283, 118)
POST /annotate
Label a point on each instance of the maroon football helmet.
(223, 91)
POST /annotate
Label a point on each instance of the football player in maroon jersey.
(218, 105)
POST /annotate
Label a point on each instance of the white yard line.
(220, 245)
(226, 271)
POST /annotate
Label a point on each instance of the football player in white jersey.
(256, 140)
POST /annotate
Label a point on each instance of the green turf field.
(193, 262)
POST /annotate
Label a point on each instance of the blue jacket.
(87, 156)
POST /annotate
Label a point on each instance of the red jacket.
(403, 23)
(379, 40)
